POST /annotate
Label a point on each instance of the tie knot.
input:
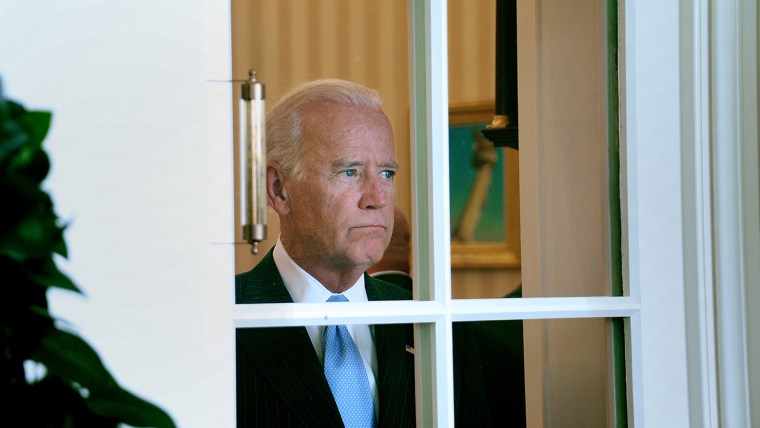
(337, 298)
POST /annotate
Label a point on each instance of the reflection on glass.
(557, 373)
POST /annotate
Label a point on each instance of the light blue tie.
(346, 375)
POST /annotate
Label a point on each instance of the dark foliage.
(74, 388)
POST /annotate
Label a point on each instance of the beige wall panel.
(484, 283)
(472, 41)
(564, 217)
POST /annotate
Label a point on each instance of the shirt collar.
(303, 287)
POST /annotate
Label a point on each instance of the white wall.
(141, 152)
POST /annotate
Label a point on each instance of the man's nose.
(374, 194)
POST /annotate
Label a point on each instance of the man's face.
(340, 210)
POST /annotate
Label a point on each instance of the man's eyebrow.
(345, 163)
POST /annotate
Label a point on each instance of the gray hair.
(284, 125)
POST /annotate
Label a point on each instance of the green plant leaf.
(34, 236)
(22, 133)
(50, 276)
(38, 124)
(63, 407)
(32, 164)
(71, 358)
(12, 134)
(68, 356)
(129, 408)
(78, 389)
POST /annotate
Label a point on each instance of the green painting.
(466, 152)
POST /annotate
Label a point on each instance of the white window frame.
(665, 59)
(431, 249)
(157, 271)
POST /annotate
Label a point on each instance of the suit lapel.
(395, 369)
(286, 359)
(262, 285)
(302, 386)
(284, 356)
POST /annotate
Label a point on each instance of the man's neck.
(336, 279)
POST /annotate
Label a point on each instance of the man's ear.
(276, 193)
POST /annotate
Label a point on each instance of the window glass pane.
(489, 373)
(558, 373)
(291, 41)
(282, 379)
(483, 180)
(567, 150)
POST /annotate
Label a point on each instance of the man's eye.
(388, 174)
(350, 173)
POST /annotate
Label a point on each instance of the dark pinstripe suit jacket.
(280, 381)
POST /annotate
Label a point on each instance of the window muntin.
(431, 253)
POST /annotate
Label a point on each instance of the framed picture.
(485, 193)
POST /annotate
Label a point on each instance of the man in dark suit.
(280, 376)
(330, 168)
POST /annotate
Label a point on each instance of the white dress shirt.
(304, 288)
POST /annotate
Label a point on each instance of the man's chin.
(370, 258)
(366, 252)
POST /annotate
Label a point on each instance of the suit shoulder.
(377, 289)
(262, 284)
(249, 279)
